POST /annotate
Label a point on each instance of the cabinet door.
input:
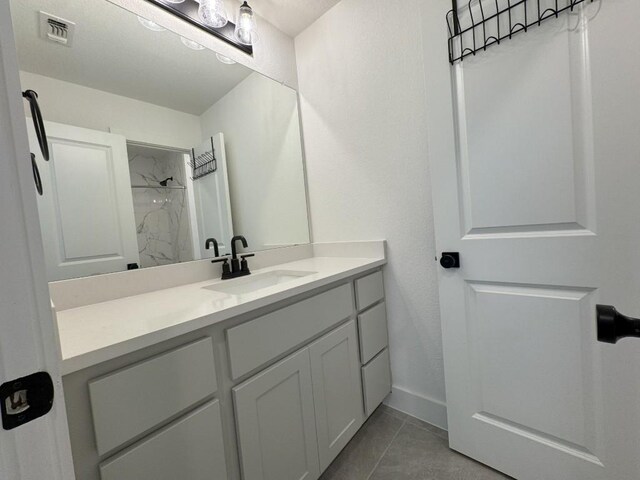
(276, 422)
(337, 390)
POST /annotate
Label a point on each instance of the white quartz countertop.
(96, 333)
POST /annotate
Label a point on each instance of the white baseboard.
(419, 406)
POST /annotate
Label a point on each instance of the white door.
(535, 156)
(28, 337)
(86, 212)
(213, 203)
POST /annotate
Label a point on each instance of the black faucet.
(207, 246)
(238, 268)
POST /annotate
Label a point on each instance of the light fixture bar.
(188, 11)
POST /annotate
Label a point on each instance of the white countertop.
(96, 333)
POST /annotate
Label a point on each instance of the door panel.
(276, 422)
(533, 186)
(86, 212)
(523, 125)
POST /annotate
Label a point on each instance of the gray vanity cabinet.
(276, 422)
(271, 395)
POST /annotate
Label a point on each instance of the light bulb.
(246, 31)
(151, 25)
(225, 60)
(213, 13)
(187, 42)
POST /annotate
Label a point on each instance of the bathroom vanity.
(263, 377)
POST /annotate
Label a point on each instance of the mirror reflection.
(156, 144)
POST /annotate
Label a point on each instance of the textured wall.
(361, 78)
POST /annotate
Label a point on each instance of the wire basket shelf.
(483, 23)
(204, 163)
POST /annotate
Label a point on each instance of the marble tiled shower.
(161, 214)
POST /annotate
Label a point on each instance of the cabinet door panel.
(337, 391)
(276, 422)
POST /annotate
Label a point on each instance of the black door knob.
(450, 260)
(612, 326)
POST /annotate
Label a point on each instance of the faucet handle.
(248, 255)
(226, 269)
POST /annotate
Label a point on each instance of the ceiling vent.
(56, 29)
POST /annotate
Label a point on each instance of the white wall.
(260, 122)
(361, 78)
(273, 55)
(72, 104)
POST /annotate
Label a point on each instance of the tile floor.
(394, 446)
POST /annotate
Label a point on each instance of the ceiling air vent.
(56, 29)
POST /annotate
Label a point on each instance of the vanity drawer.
(369, 290)
(256, 342)
(131, 401)
(376, 381)
(372, 326)
(191, 448)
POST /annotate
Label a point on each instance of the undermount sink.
(256, 282)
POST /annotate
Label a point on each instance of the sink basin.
(260, 281)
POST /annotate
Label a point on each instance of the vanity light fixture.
(151, 25)
(211, 16)
(213, 13)
(246, 32)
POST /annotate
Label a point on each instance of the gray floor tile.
(393, 411)
(418, 454)
(360, 456)
(427, 426)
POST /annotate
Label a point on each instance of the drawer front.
(129, 402)
(256, 342)
(191, 448)
(369, 290)
(372, 326)
(376, 381)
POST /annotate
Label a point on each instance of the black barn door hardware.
(38, 123)
(613, 326)
(25, 399)
(483, 23)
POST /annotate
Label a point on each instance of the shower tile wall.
(162, 214)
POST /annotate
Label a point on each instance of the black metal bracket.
(188, 11)
(487, 23)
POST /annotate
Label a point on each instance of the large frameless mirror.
(156, 144)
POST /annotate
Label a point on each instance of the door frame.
(29, 338)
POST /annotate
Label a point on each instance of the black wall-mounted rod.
(479, 29)
(188, 11)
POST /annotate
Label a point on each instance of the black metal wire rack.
(483, 23)
(204, 163)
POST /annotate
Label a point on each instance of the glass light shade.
(174, 1)
(225, 60)
(187, 42)
(213, 13)
(151, 25)
(246, 31)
